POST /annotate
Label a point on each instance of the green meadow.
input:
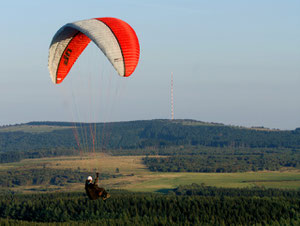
(276, 179)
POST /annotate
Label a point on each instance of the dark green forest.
(146, 134)
(46, 176)
(218, 160)
(187, 205)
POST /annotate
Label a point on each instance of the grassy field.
(32, 129)
(234, 180)
(94, 162)
(136, 177)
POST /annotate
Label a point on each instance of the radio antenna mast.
(172, 98)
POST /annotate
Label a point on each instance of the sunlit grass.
(32, 128)
(231, 180)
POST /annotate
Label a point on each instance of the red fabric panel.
(128, 42)
(75, 47)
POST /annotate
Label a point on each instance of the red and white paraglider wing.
(114, 37)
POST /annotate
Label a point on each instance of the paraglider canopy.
(116, 39)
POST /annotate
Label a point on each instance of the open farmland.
(134, 176)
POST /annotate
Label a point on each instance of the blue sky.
(234, 62)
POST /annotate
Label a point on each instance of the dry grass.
(32, 128)
(100, 163)
(92, 162)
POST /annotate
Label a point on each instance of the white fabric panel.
(98, 32)
(59, 42)
(103, 37)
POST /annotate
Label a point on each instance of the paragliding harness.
(93, 191)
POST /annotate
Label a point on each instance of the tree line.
(151, 133)
(245, 207)
(203, 190)
(46, 176)
(204, 159)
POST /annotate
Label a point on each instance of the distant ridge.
(145, 133)
(190, 122)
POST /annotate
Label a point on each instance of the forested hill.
(141, 134)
